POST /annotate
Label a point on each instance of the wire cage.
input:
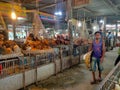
(83, 49)
(10, 64)
(111, 79)
(44, 58)
(36, 58)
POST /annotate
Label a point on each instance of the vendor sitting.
(118, 58)
(1, 44)
(30, 38)
(1, 48)
(76, 44)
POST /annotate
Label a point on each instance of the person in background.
(98, 51)
(102, 34)
(58, 40)
(1, 47)
(109, 36)
(76, 43)
(110, 39)
(16, 48)
(66, 40)
(1, 43)
(30, 38)
(118, 58)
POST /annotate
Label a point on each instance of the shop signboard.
(78, 3)
(47, 18)
(46, 14)
(6, 9)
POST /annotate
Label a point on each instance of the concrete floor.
(76, 78)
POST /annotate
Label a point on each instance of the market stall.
(32, 53)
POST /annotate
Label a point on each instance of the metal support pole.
(23, 71)
(105, 20)
(116, 30)
(54, 63)
(14, 31)
(36, 74)
(4, 26)
(79, 55)
(70, 28)
(104, 35)
(61, 58)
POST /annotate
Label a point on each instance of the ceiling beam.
(88, 10)
(6, 1)
(47, 6)
(118, 5)
(113, 6)
(51, 5)
(31, 1)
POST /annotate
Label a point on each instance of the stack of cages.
(40, 55)
(111, 80)
(33, 59)
(11, 64)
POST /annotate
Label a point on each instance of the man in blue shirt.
(110, 38)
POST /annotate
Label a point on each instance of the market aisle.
(76, 78)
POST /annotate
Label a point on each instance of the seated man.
(75, 45)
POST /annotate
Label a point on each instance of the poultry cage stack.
(112, 81)
(38, 57)
(83, 49)
(10, 64)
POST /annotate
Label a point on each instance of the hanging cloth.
(39, 29)
(84, 32)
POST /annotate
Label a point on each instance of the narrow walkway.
(76, 78)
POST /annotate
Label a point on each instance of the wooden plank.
(6, 9)
(81, 2)
(7, 56)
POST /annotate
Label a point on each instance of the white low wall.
(12, 82)
(16, 81)
(29, 77)
(45, 71)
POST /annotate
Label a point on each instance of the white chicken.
(119, 81)
(117, 87)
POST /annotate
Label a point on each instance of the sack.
(118, 43)
(119, 51)
(0, 68)
(87, 59)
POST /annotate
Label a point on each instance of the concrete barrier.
(12, 82)
(15, 82)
